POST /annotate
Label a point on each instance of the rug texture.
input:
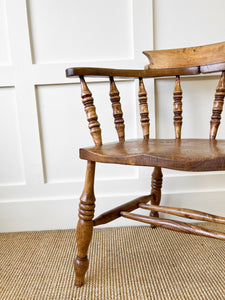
(125, 263)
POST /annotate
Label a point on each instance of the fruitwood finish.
(85, 224)
(117, 111)
(174, 225)
(105, 72)
(143, 105)
(184, 212)
(177, 108)
(177, 153)
(157, 177)
(217, 107)
(186, 57)
(115, 212)
(89, 108)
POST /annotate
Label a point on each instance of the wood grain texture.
(212, 68)
(183, 154)
(115, 212)
(106, 72)
(89, 108)
(143, 106)
(175, 225)
(117, 110)
(186, 57)
(217, 107)
(184, 212)
(85, 224)
(157, 178)
(177, 108)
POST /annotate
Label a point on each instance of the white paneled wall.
(180, 23)
(12, 171)
(75, 32)
(42, 123)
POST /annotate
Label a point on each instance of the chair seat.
(184, 154)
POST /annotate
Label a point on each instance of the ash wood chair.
(177, 154)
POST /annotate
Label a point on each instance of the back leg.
(157, 177)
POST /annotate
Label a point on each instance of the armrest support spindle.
(142, 96)
(89, 108)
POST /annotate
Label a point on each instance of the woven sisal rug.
(125, 263)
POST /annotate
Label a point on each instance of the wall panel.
(11, 160)
(180, 23)
(73, 30)
(4, 49)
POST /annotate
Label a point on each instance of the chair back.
(174, 62)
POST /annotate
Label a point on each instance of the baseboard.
(53, 214)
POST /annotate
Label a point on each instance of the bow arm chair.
(177, 154)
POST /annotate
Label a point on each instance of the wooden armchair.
(176, 154)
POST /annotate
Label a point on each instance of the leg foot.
(80, 267)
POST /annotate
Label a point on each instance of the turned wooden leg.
(156, 190)
(85, 224)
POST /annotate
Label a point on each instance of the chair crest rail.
(211, 55)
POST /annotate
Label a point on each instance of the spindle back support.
(217, 106)
(117, 110)
(94, 125)
(92, 117)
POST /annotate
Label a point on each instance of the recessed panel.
(188, 23)
(80, 30)
(64, 129)
(11, 161)
(4, 49)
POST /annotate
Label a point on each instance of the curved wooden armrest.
(82, 71)
(171, 62)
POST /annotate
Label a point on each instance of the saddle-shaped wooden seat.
(180, 154)
(177, 153)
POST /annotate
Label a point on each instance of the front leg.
(85, 224)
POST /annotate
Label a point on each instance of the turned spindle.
(142, 96)
(92, 117)
(177, 108)
(157, 177)
(217, 106)
(117, 110)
